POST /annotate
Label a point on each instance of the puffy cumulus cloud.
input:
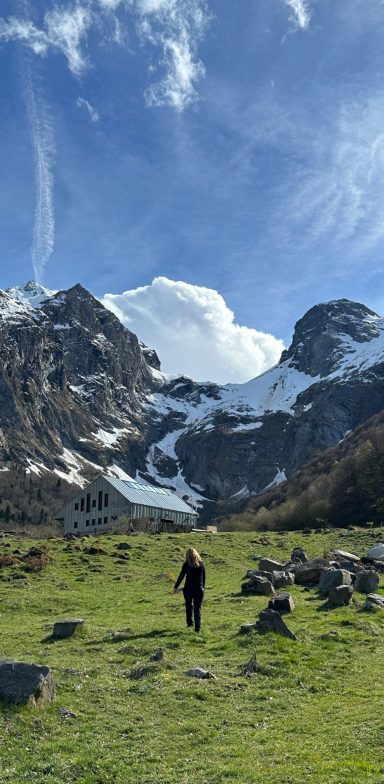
(300, 11)
(194, 331)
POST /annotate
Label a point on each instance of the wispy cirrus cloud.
(301, 12)
(82, 103)
(174, 28)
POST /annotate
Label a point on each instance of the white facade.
(95, 508)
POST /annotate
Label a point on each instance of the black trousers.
(193, 603)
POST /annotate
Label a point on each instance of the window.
(93, 521)
(100, 506)
(105, 499)
(99, 521)
(105, 520)
(76, 506)
(87, 522)
(93, 502)
(75, 525)
(88, 502)
(82, 504)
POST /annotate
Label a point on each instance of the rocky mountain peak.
(325, 334)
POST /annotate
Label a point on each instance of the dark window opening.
(100, 506)
(88, 502)
(87, 522)
(99, 521)
(75, 525)
(82, 500)
(105, 520)
(105, 499)
(93, 521)
(76, 506)
(94, 502)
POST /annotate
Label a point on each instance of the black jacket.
(195, 578)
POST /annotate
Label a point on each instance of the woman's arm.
(203, 571)
(181, 576)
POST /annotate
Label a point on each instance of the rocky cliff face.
(80, 394)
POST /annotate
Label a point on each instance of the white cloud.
(83, 104)
(44, 150)
(194, 331)
(301, 12)
(176, 26)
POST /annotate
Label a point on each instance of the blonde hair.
(192, 557)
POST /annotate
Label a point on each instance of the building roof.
(149, 495)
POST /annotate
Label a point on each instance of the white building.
(106, 500)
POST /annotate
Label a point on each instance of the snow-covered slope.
(80, 394)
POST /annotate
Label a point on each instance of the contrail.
(41, 131)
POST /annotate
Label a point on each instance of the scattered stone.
(342, 555)
(142, 671)
(35, 552)
(340, 595)
(282, 579)
(257, 586)
(251, 668)
(123, 546)
(377, 552)
(25, 684)
(198, 672)
(67, 628)
(331, 578)
(309, 572)
(268, 565)
(307, 531)
(246, 628)
(64, 713)
(299, 555)
(374, 600)
(367, 581)
(271, 621)
(158, 655)
(95, 550)
(282, 603)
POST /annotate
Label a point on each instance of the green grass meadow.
(314, 713)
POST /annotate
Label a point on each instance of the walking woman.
(194, 572)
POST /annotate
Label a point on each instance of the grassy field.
(314, 713)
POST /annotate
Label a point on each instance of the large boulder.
(258, 585)
(271, 621)
(309, 572)
(367, 581)
(282, 579)
(67, 628)
(25, 684)
(340, 595)
(299, 555)
(343, 555)
(282, 603)
(331, 578)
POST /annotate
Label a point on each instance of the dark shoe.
(197, 630)
(189, 625)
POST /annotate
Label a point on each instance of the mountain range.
(80, 394)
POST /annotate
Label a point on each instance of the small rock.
(198, 672)
(251, 667)
(158, 655)
(342, 555)
(123, 546)
(271, 621)
(282, 579)
(268, 565)
(374, 600)
(246, 628)
(95, 550)
(25, 684)
(64, 713)
(367, 581)
(377, 552)
(299, 555)
(67, 628)
(340, 595)
(282, 603)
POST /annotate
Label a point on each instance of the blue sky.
(233, 146)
